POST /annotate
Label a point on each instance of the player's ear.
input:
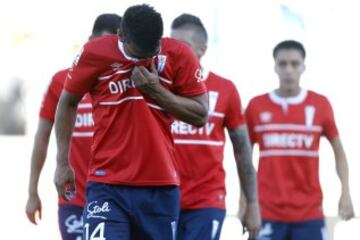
(121, 35)
(202, 50)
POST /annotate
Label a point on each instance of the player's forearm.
(39, 152)
(342, 168)
(38, 159)
(190, 110)
(64, 124)
(243, 157)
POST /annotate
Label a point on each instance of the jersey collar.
(284, 101)
(122, 50)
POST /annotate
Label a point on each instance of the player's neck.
(285, 93)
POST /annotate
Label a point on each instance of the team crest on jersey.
(265, 117)
(199, 75)
(161, 63)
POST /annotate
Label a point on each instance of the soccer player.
(200, 151)
(70, 212)
(138, 83)
(287, 124)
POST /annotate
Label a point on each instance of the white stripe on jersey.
(295, 127)
(198, 142)
(165, 80)
(83, 134)
(217, 114)
(155, 106)
(298, 153)
(115, 73)
(84, 105)
(121, 101)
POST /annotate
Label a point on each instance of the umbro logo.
(115, 65)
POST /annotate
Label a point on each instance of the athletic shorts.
(307, 230)
(201, 224)
(71, 221)
(114, 212)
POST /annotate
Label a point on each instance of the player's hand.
(251, 220)
(346, 209)
(65, 182)
(145, 80)
(33, 208)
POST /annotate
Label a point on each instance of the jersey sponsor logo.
(265, 117)
(288, 140)
(181, 128)
(309, 115)
(84, 120)
(121, 86)
(213, 98)
(73, 224)
(95, 210)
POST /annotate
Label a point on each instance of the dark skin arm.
(64, 124)
(192, 110)
(41, 142)
(251, 219)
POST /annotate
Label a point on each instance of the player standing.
(200, 151)
(138, 82)
(287, 124)
(70, 212)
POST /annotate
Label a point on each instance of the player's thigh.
(271, 230)
(309, 230)
(155, 213)
(104, 216)
(205, 223)
(70, 222)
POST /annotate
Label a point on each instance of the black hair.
(289, 44)
(107, 22)
(189, 20)
(143, 26)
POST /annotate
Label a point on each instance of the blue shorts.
(309, 230)
(201, 224)
(115, 212)
(71, 222)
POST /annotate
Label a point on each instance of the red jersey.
(288, 132)
(200, 151)
(132, 139)
(81, 140)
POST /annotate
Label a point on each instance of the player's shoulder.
(259, 99)
(220, 81)
(59, 77)
(174, 46)
(317, 97)
(104, 45)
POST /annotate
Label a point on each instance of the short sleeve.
(329, 125)
(51, 97)
(188, 78)
(83, 74)
(250, 121)
(234, 114)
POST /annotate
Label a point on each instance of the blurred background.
(39, 38)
